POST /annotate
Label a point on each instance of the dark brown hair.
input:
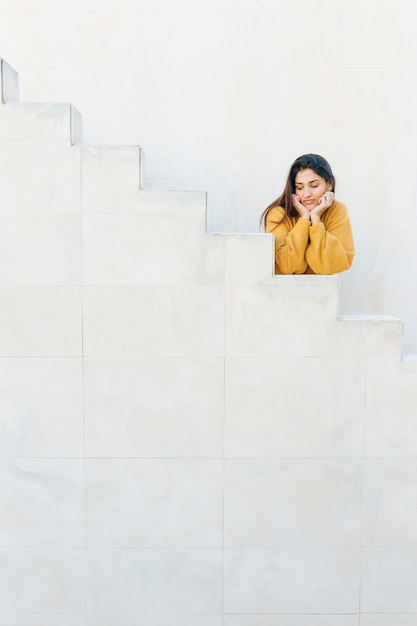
(313, 162)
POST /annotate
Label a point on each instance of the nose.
(306, 192)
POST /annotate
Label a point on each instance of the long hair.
(313, 162)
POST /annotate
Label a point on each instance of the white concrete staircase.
(185, 438)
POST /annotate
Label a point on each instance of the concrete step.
(40, 122)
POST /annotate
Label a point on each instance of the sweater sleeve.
(290, 242)
(331, 248)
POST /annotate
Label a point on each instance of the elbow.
(349, 261)
(337, 268)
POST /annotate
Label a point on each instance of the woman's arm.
(290, 242)
(331, 248)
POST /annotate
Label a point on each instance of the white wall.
(222, 95)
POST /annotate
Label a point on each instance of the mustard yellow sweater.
(301, 248)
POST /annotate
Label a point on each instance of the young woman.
(312, 230)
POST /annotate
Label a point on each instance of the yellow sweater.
(301, 248)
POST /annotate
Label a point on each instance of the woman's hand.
(300, 208)
(326, 200)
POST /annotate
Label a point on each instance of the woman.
(312, 230)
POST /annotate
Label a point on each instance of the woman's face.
(310, 187)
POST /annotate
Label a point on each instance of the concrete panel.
(291, 316)
(165, 581)
(389, 512)
(161, 503)
(367, 335)
(349, 337)
(39, 176)
(42, 502)
(40, 249)
(40, 321)
(249, 259)
(385, 335)
(291, 580)
(131, 249)
(110, 178)
(391, 398)
(182, 202)
(152, 321)
(41, 406)
(154, 407)
(298, 503)
(294, 407)
(42, 580)
(388, 580)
